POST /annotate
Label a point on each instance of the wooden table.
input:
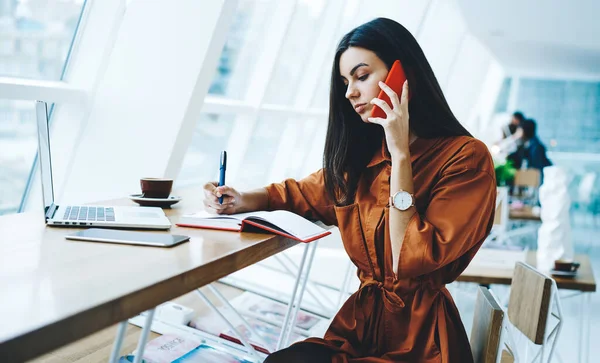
(483, 275)
(54, 291)
(583, 282)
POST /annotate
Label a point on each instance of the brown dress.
(412, 318)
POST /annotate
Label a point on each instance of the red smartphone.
(395, 80)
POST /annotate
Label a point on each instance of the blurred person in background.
(532, 152)
(511, 136)
(510, 129)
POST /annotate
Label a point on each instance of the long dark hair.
(351, 143)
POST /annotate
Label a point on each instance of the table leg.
(114, 355)
(226, 303)
(304, 281)
(296, 299)
(143, 337)
(584, 327)
(581, 324)
(309, 290)
(241, 337)
(587, 297)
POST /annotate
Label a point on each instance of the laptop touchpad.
(141, 214)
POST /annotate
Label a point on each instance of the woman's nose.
(351, 92)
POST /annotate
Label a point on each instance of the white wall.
(459, 60)
(440, 37)
(466, 81)
(480, 122)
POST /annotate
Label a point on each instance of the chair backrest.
(530, 294)
(527, 178)
(487, 327)
(507, 357)
(501, 215)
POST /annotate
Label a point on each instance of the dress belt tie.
(392, 302)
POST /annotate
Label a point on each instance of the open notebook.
(280, 222)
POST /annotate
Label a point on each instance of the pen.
(222, 168)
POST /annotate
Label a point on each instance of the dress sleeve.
(458, 218)
(306, 197)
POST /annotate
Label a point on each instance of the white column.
(196, 101)
(330, 19)
(467, 78)
(258, 83)
(441, 46)
(513, 94)
(149, 96)
(481, 117)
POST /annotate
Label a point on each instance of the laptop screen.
(41, 111)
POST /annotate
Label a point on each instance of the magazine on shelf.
(206, 353)
(199, 353)
(280, 222)
(237, 351)
(273, 312)
(264, 316)
(266, 342)
(169, 347)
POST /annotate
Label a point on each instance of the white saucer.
(154, 202)
(563, 273)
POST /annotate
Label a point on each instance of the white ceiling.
(550, 38)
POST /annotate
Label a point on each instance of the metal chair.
(487, 342)
(532, 295)
(528, 180)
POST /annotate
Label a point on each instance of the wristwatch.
(402, 200)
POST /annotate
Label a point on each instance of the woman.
(405, 253)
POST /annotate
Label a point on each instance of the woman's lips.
(360, 107)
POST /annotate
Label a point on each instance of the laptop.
(86, 215)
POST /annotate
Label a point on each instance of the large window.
(301, 35)
(210, 137)
(36, 35)
(237, 59)
(268, 101)
(502, 101)
(35, 40)
(262, 97)
(566, 112)
(18, 145)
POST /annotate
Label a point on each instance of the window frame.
(87, 55)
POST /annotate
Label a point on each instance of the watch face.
(403, 200)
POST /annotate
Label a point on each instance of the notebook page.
(204, 219)
(289, 222)
(205, 215)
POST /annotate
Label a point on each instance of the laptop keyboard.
(89, 213)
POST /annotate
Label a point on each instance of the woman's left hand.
(395, 126)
